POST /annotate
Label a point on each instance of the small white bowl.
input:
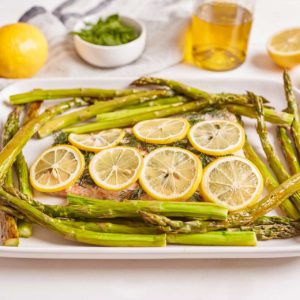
(110, 56)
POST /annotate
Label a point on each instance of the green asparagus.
(178, 87)
(126, 113)
(132, 228)
(293, 109)
(191, 106)
(24, 228)
(215, 238)
(167, 225)
(270, 228)
(163, 101)
(275, 164)
(10, 128)
(92, 110)
(39, 94)
(288, 150)
(79, 235)
(271, 115)
(265, 228)
(269, 180)
(15, 145)
(10, 211)
(20, 163)
(188, 91)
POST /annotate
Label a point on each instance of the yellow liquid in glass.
(219, 35)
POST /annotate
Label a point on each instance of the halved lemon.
(231, 181)
(217, 137)
(171, 173)
(161, 131)
(284, 48)
(98, 141)
(57, 168)
(116, 168)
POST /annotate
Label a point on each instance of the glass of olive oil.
(220, 32)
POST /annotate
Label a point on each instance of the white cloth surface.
(258, 279)
(164, 21)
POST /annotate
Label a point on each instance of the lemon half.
(284, 48)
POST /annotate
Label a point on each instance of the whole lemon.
(23, 50)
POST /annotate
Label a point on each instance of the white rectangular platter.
(45, 244)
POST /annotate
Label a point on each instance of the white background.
(185, 279)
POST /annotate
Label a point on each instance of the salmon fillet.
(86, 187)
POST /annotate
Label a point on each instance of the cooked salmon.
(86, 187)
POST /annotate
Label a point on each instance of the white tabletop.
(185, 279)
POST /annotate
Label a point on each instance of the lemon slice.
(171, 173)
(284, 48)
(231, 181)
(95, 142)
(57, 168)
(217, 137)
(161, 131)
(116, 168)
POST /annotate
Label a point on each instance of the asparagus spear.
(293, 109)
(127, 121)
(133, 228)
(288, 150)
(163, 101)
(15, 145)
(215, 238)
(10, 128)
(39, 94)
(24, 228)
(178, 87)
(269, 228)
(269, 180)
(271, 115)
(271, 201)
(10, 211)
(80, 207)
(245, 217)
(265, 228)
(91, 111)
(275, 164)
(9, 235)
(167, 225)
(130, 208)
(191, 106)
(20, 163)
(79, 235)
(190, 92)
(126, 113)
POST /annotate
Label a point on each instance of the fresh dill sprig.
(60, 138)
(134, 194)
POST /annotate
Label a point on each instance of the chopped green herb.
(108, 32)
